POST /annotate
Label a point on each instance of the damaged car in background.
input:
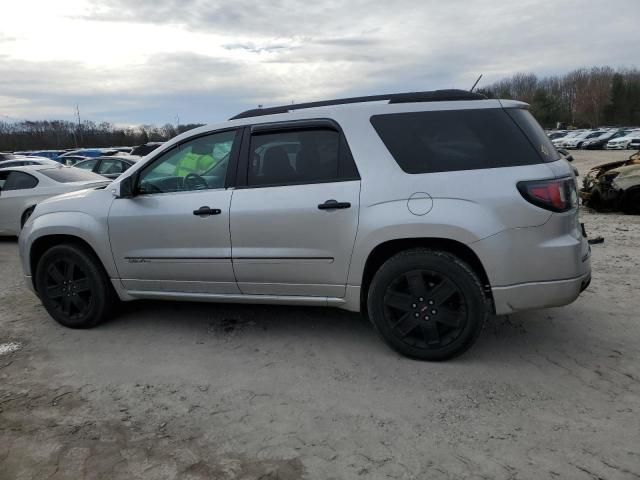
(613, 186)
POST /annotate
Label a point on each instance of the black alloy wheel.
(73, 286)
(425, 309)
(427, 304)
(68, 288)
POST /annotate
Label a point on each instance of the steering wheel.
(193, 181)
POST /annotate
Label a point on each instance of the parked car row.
(72, 156)
(601, 138)
(27, 180)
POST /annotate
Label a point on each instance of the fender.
(77, 224)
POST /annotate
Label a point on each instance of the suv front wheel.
(73, 286)
(427, 304)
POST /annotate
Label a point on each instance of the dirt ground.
(202, 391)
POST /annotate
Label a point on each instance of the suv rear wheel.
(427, 304)
(73, 286)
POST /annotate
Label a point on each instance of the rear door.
(294, 214)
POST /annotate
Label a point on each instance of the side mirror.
(124, 188)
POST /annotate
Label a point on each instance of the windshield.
(71, 174)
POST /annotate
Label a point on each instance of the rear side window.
(313, 155)
(19, 181)
(450, 140)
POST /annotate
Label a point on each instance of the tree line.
(61, 134)
(586, 97)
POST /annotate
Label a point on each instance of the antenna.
(79, 124)
(474, 85)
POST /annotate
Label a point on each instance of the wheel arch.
(23, 220)
(382, 252)
(44, 243)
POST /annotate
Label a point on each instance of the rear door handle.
(333, 204)
(206, 211)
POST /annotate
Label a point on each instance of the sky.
(195, 61)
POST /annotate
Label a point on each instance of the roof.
(31, 168)
(409, 97)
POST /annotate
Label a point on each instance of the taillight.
(557, 195)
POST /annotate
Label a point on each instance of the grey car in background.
(110, 167)
(425, 211)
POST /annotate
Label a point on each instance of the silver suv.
(426, 211)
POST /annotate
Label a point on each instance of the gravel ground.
(202, 391)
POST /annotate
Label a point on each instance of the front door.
(294, 221)
(173, 235)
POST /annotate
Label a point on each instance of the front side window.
(197, 164)
(299, 156)
(17, 181)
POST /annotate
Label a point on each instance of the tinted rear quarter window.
(19, 181)
(451, 140)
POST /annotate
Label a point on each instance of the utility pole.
(79, 125)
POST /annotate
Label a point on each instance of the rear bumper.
(534, 295)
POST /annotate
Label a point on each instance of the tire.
(73, 286)
(630, 202)
(25, 216)
(417, 326)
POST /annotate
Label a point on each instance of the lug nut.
(413, 305)
(433, 312)
(430, 302)
(426, 317)
(416, 315)
(421, 299)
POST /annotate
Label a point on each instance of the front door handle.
(333, 204)
(206, 211)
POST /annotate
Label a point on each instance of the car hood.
(80, 200)
(607, 167)
(628, 176)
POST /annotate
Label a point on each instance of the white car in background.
(577, 140)
(557, 142)
(22, 188)
(623, 143)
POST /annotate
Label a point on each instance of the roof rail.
(410, 97)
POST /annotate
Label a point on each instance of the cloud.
(147, 60)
